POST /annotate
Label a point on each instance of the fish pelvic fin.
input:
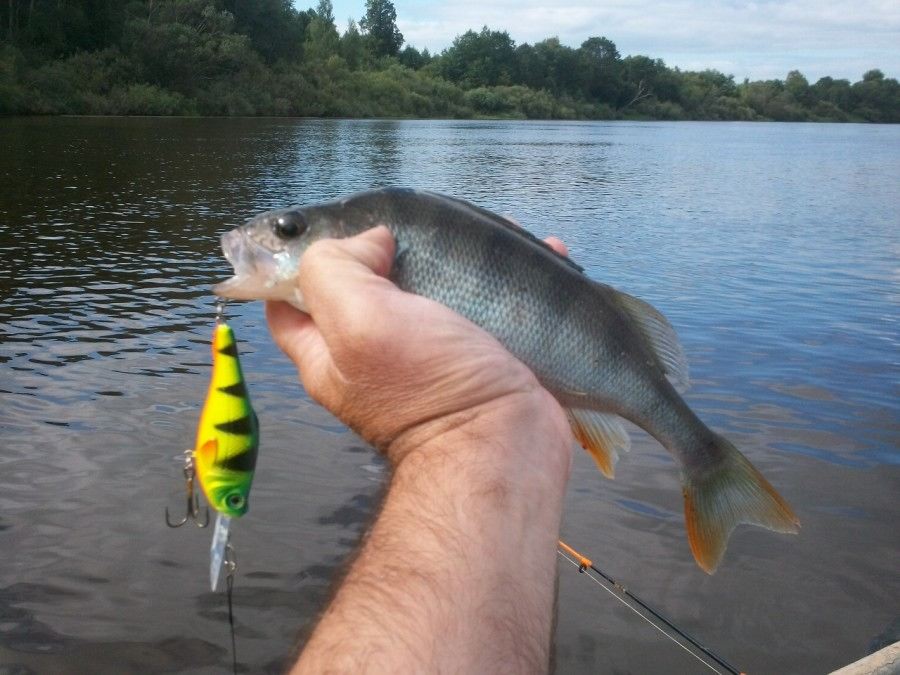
(662, 338)
(602, 435)
(716, 500)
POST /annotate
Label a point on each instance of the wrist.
(433, 588)
(523, 435)
(477, 492)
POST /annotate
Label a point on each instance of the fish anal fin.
(662, 338)
(602, 435)
(717, 500)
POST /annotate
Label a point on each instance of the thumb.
(338, 275)
(373, 248)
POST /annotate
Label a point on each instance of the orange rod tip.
(583, 562)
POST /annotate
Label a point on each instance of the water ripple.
(772, 249)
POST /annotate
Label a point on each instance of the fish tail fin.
(718, 499)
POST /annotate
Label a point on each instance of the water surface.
(772, 248)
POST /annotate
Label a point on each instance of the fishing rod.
(626, 597)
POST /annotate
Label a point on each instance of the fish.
(227, 443)
(605, 355)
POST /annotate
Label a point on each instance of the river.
(772, 248)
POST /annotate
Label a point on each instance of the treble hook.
(192, 510)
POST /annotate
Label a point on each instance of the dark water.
(774, 249)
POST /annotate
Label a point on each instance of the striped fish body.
(228, 434)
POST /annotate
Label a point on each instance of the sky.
(763, 39)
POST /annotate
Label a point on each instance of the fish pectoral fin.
(602, 435)
(662, 338)
(717, 499)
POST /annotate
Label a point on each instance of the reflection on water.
(772, 248)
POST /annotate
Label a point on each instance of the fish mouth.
(239, 251)
(259, 273)
(253, 266)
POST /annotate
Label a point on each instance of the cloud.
(758, 39)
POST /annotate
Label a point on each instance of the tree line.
(265, 57)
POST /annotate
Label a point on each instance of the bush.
(78, 84)
(146, 99)
(488, 101)
(12, 93)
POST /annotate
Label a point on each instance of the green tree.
(380, 27)
(705, 94)
(530, 67)
(770, 100)
(651, 77)
(877, 98)
(413, 58)
(836, 92)
(602, 70)
(276, 30)
(244, 57)
(186, 45)
(322, 40)
(561, 72)
(12, 93)
(480, 59)
(353, 46)
(53, 29)
(325, 11)
(798, 87)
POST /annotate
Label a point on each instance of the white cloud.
(759, 39)
(756, 39)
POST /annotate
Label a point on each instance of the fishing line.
(584, 564)
(229, 587)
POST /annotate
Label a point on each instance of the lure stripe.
(238, 389)
(242, 462)
(243, 426)
(229, 350)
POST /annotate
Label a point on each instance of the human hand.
(398, 368)
(480, 452)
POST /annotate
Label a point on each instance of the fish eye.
(235, 500)
(289, 226)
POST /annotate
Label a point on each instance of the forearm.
(458, 572)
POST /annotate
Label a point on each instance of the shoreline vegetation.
(267, 58)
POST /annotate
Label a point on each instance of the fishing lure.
(224, 455)
(228, 434)
(227, 445)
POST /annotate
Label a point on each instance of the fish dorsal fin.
(508, 224)
(662, 338)
(602, 435)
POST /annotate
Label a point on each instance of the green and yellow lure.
(228, 433)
